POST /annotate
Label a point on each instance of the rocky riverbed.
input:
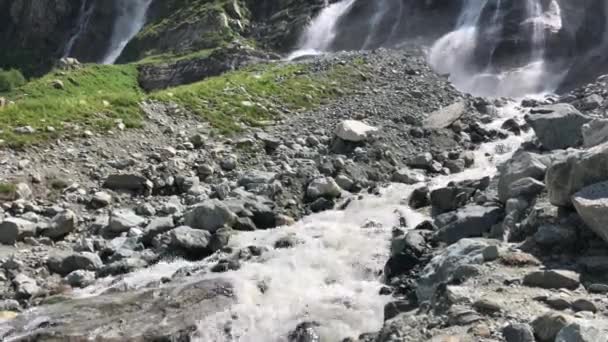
(405, 212)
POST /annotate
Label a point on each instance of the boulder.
(467, 222)
(591, 203)
(450, 198)
(582, 169)
(122, 220)
(101, 199)
(66, 264)
(14, 229)
(557, 126)
(518, 332)
(192, 242)
(25, 286)
(577, 332)
(521, 165)
(527, 188)
(595, 132)
(80, 278)
(128, 182)
(256, 177)
(553, 279)
(446, 116)
(547, 326)
(407, 176)
(323, 187)
(157, 226)
(61, 225)
(209, 215)
(354, 131)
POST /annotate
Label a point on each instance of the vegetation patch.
(93, 97)
(259, 93)
(10, 79)
(8, 191)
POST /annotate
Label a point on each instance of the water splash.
(131, 18)
(84, 15)
(321, 32)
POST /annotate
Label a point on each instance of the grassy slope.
(95, 96)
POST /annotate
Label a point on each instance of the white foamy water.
(321, 32)
(131, 18)
(331, 276)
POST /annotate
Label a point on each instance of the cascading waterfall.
(381, 11)
(131, 18)
(84, 15)
(321, 32)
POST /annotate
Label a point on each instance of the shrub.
(11, 79)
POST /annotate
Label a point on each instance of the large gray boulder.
(595, 132)
(61, 225)
(581, 332)
(558, 126)
(128, 182)
(553, 279)
(467, 222)
(168, 313)
(210, 215)
(323, 187)
(14, 229)
(442, 267)
(582, 169)
(193, 242)
(445, 116)
(547, 326)
(354, 131)
(591, 203)
(66, 264)
(123, 220)
(521, 165)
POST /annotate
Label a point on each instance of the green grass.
(93, 97)
(7, 191)
(256, 94)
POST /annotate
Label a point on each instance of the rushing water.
(331, 276)
(131, 18)
(84, 15)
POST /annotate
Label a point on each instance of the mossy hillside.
(256, 94)
(92, 97)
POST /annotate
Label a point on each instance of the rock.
(421, 161)
(518, 332)
(270, 143)
(527, 188)
(128, 182)
(193, 242)
(553, 279)
(407, 176)
(521, 165)
(135, 314)
(305, 332)
(547, 326)
(80, 278)
(556, 303)
(443, 266)
(323, 187)
(590, 102)
(287, 241)
(450, 198)
(591, 203)
(157, 226)
(582, 304)
(256, 177)
(470, 221)
(487, 306)
(577, 332)
(101, 199)
(581, 169)
(420, 198)
(210, 215)
(595, 132)
(244, 224)
(393, 309)
(229, 163)
(14, 229)
(598, 288)
(491, 253)
(557, 126)
(344, 182)
(23, 191)
(446, 116)
(64, 265)
(354, 131)
(25, 287)
(220, 239)
(61, 225)
(57, 84)
(550, 235)
(122, 220)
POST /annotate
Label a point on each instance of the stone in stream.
(25, 286)
(14, 229)
(553, 279)
(595, 132)
(581, 332)
(467, 222)
(61, 225)
(192, 242)
(580, 170)
(354, 131)
(557, 126)
(305, 332)
(66, 264)
(183, 305)
(122, 220)
(323, 187)
(591, 203)
(210, 215)
(521, 165)
(407, 176)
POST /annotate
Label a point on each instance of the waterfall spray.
(84, 15)
(131, 18)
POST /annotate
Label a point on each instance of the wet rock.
(25, 286)
(305, 332)
(184, 304)
(518, 332)
(14, 229)
(450, 198)
(61, 225)
(157, 226)
(288, 241)
(420, 198)
(580, 170)
(211, 215)
(354, 131)
(244, 224)
(595, 132)
(123, 266)
(393, 309)
(470, 221)
(583, 304)
(551, 235)
(521, 165)
(421, 161)
(553, 279)
(64, 265)
(220, 239)
(407, 176)
(323, 187)
(557, 126)
(591, 203)
(577, 332)
(122, 220)
(192, 242)
(527, 188)
(80, 278)
(547, 326)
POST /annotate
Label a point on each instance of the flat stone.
(553, 279)
(446, 116)
(558, 126)
(14, 229)
(547, 326)
(591, 203)
(354, 131)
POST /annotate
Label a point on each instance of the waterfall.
(321, 32)
(84, 15)
(131, 18)
(382, 9)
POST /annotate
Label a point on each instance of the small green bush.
(11, 79)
